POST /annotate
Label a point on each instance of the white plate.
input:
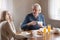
(24, 33)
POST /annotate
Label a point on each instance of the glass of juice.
(49, 28)
(44, 30)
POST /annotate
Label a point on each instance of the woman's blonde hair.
(3, 16)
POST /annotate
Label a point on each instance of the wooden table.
(46, 37)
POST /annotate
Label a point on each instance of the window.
(6, 5)
(54, 9)
(3, 4)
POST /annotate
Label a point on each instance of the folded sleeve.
(43, 19)
(24, 24)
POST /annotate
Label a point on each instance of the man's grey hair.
(37, 6)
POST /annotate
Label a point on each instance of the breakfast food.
(39, 32)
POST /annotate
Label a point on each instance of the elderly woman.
(34, 20)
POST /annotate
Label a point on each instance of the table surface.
(46, 37)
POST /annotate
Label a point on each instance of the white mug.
(39, 22)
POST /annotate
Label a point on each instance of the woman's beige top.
(7, 30)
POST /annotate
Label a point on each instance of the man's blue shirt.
(30, 18)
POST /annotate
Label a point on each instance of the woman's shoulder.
(4, 22)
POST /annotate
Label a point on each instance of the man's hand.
(32, 23)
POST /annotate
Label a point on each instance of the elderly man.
(34, 20)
